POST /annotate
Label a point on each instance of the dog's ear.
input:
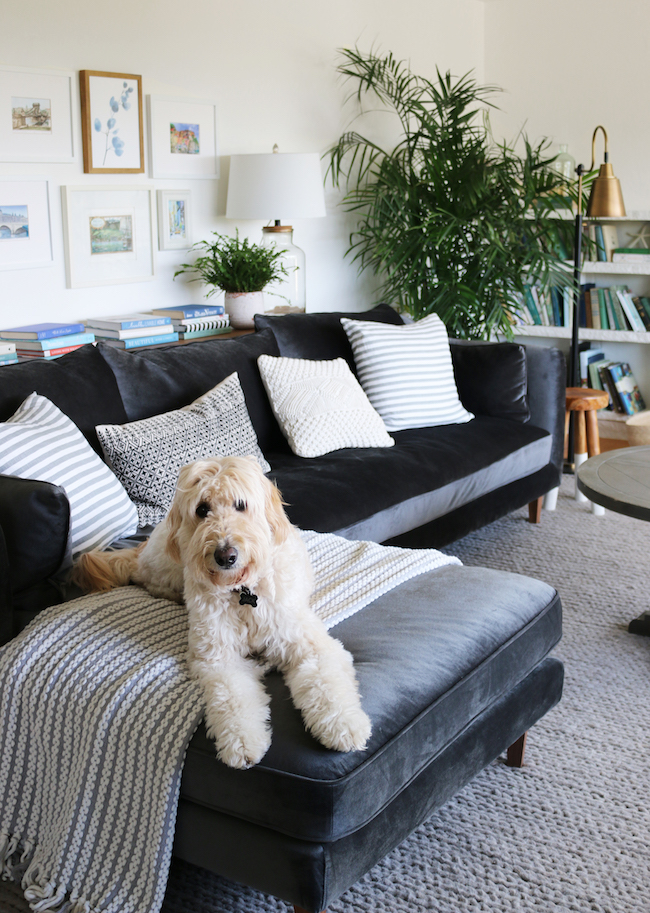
(174, 519)
(274, 511)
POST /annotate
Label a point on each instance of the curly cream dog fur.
(227, 530)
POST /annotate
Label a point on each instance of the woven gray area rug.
(569, 832)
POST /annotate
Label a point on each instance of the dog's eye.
(240, 505)
(203, 510)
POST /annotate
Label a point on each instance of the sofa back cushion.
(320, 336)
(80, 383)
(161, 380)
(492, 378)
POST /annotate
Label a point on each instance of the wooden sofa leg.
(516, 752)
(535, 510)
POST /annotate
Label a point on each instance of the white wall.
(567, 66)
(270, 67)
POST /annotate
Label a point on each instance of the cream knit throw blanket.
(96, 713)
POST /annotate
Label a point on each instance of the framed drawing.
(174, 219)
(108, 235)
(25, 236)
(111, 122)
(182, 137)
(37, 115)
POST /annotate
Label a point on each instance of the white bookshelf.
(620, 345)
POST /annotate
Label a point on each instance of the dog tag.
(247, 598)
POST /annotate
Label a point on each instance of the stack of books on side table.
(46, 340)
(196, 321)
(132, 331)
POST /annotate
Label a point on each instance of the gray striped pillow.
(40, 442)
(406, 372)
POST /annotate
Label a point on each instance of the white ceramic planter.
(241, 308)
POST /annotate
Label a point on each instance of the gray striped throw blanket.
(96, 712)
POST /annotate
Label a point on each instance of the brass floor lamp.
(605, 201)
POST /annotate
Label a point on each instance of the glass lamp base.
(288, 295)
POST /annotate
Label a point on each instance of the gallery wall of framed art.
(83, 219)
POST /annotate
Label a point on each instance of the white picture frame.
(25, 232)
(182, 138)
(174, 219)
(108, 234)
(38, 115)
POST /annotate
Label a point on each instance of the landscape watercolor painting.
(14, 222)
(177, 226)
(184, 139)
(31, 114)
(111, 234)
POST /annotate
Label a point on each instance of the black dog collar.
(247, 598)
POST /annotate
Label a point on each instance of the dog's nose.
(225, 556)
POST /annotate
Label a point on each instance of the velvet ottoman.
(453, 668)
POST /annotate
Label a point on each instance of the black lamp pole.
(574, 378)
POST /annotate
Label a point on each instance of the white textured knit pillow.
(320, 405)
(147, 455)
(40, 442)
(407, 372)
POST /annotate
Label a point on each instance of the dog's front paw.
(347, 731)
(243, 749)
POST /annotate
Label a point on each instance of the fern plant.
(450, 220)
(232, 265)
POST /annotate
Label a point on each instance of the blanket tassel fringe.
(43, 896)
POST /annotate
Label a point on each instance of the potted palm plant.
(240, 269)
(450, 220)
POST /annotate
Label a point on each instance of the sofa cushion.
(35, 518)
(430, 657)
(146, 456)
(492, 378)
(407, 372)
(160, 380)
(320, 405)
(379, 493)
(80, 383)
(40, 442)
(320, 336)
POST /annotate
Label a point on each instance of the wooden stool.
(584, 402)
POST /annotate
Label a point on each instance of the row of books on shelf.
(127, 331)
(615, 378)
(606, 244)
(612, 308)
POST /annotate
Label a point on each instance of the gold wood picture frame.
(112, 126)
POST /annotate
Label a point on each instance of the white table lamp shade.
(275, 186)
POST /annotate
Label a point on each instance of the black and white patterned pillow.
(147, 455)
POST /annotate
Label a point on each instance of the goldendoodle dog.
(229, 552)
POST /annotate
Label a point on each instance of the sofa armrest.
(547, 396)
(35, 521)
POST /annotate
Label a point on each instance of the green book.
(611, 313)
(621, 317)
(602, 307)
(531, 304)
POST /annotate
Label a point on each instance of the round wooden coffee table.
(620, 481)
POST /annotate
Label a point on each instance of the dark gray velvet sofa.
(454, 666)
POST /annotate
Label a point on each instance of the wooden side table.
(584, 403)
